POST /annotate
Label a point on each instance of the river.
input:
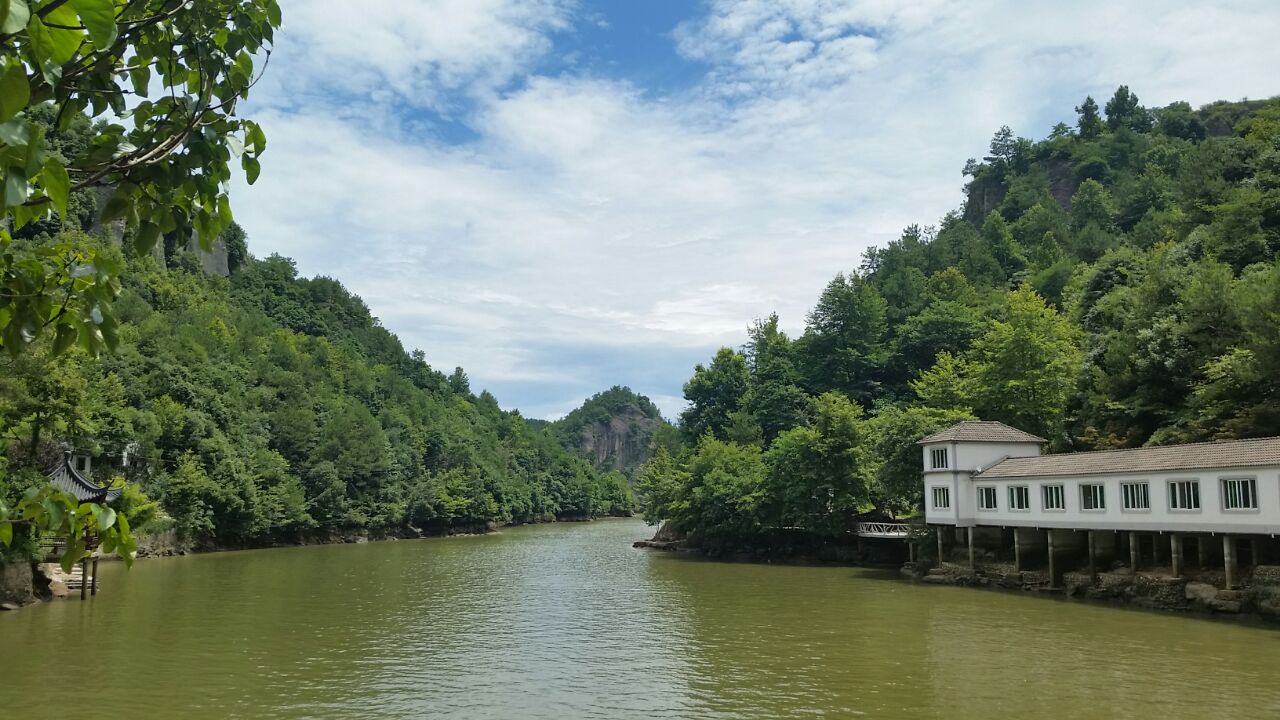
(569, 621)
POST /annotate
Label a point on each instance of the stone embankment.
(1196, 591)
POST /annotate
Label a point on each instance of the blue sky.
(565, 195)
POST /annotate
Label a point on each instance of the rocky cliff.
(613, 429)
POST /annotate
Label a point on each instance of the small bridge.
(892, 531)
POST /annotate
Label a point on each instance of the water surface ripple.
(568, 621)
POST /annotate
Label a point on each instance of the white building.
(987, 474)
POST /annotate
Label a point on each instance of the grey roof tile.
(981, 431)
(1259, 452)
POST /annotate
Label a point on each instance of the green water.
(568, 621)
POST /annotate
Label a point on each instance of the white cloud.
(599, 219)
(417, 49)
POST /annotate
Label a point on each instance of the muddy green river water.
(569, 621)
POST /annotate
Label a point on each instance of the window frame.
(1026, 495)
(1044, 497)
(939, 452)
(1173, 494)
(1253, 486)
(946, 492)
(1146, 485)
(994, 495)
(1088, 488)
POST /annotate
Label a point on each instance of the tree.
(660, 483)
(1002, 149)
(843, 346)
(774, 396)
(724, 490)
(1089, 122)
(168, 174)
(817, 476)
(1025, 368)
(459, 383)
(714, 393)
(1123, 111)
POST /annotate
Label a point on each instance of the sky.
(565, 195)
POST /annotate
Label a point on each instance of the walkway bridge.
(890, 531)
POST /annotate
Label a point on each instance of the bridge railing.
(883, 530)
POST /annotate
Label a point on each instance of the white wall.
(963, 458)
(1210, 518)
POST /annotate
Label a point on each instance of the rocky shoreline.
(1198, 591)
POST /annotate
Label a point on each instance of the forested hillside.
(1113, 285)
(261, 405)
(615, 430)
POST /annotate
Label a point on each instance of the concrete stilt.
(1093, 566)
(940, 549)
(1255, 554)
(1133, 551)
(1155, 549)
(1017, 549)
(1202, 551)
(972, 564)
(1229, 559)
(911, 551)
(84, 577)
(1053, 565)
(1175, 551)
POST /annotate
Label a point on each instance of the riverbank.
(1196, 591)
(28, 583)
(783, 547)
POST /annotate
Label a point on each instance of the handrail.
(883, 530)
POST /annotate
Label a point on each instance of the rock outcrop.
(613, 430)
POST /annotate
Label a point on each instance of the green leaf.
(99, 16)
(15, 18)
(105, 517)
(252, 168)
(54, 44)
(15, 187)
(146, 238)
(6, 532)
(64, 338)
(57, 185)
(15, 132)
(15, 92)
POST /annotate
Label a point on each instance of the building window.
(1239, 494)
(1184, 494)
(986, 498)
(938, 459)
(82, 463)
(1135, 496)
(941, 498)
(1019, 497)
(1092, 496)
(1054, 497)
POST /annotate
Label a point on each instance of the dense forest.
(261, 406)
(616, 430)
(1115, 284)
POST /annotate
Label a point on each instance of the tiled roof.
(1169, 458)
(981, 431)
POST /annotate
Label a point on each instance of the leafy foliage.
(163, 158)
(1113, 285)
(263, 405)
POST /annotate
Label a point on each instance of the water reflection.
(568, 621)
